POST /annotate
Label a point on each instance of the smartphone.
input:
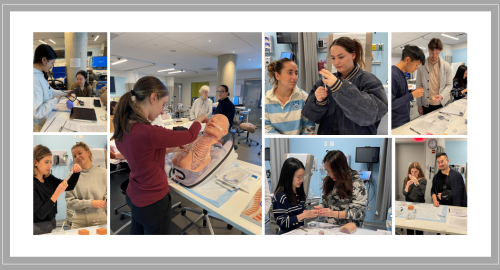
(97, 103)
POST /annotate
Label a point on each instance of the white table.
(92, 230)
(231, 210)
(100, 112)
(430, 226)
(307, 230)
(457, 124)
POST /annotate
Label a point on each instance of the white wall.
(459, 46)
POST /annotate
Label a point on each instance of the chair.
(206, 220)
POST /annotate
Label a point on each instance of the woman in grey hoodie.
(89, 198)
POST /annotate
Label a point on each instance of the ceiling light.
(120, 61)
(209, 40)
(52, 41)
(174, 72)
(42, 41)
(455, 38)
(96, 38)
(233, 51)
(163, 70)
(249, 59)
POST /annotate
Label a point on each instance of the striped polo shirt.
(286, 214)
(287, 118)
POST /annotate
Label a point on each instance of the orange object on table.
(83, 232)
(349, 228)
(411, 207)
(102, 231)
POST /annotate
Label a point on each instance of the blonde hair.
(84, 146)
(39, 152)
(204, 88)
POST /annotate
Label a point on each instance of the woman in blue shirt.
(289, 200)
(44, 97)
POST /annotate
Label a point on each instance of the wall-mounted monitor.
(367, 154)
(112, 84)
(287, 37)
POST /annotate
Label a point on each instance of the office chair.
(249, 128)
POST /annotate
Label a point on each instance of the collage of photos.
(198, 137)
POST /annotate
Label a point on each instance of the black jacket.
(354, 106)
(457, 187)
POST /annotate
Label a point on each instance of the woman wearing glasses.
(351, 101)
(225, 106)
(344, 193)
(44, 97)
(289, 200)
(144, 147)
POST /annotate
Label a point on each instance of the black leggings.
(153, 219)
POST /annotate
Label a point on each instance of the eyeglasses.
(220, 91)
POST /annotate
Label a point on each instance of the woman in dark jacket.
(414, 188)
(459, 89)
(351, 101)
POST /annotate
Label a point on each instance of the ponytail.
(351, 46)
(128, 110)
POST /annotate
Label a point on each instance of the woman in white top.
(202, 105)
(44, 97)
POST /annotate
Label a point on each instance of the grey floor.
(245, 153)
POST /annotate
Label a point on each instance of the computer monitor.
(99, 61)
(367, 154)
(365, 175)
(236, 100)
(288, 55)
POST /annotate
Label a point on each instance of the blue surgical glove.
(69, 104)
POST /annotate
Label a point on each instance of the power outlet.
(332, 143)
(326, 143)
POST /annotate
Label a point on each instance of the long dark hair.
(285, 184)
(459, 76)
(128, 109)
(84, 74)
(43, 50)
(351, 46)
(337, 162)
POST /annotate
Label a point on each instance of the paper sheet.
(296, 232)
(425, 126)
(428, 211)
(61, 106)
(70, 127)
(458, 212)
(382, 232)
(92, 128)
(457, 223)
(453, 110)
(53, 124)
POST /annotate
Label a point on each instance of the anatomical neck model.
(197, 155)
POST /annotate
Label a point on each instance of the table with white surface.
(310, 230)
(92, 230)
(431, 226)
(458, 122)
(100, 112)
(231, 210)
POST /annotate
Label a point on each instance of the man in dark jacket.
(448, 186)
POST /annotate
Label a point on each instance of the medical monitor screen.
(236, 100)
(367, 154)
(287, 37)
(100, 61)
(288, 55)
(112, 83)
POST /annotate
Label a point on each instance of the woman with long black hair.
(344, 193)
(289, 200)
(82, 88)
(459, 89)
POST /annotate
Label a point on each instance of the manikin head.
(217, 126)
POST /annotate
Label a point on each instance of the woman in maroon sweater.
(144, 147)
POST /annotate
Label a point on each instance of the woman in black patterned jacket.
(344, 193)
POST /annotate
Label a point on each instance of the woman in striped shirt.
(289, 207)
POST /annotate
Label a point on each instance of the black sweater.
(44, 209)
(226, 107)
